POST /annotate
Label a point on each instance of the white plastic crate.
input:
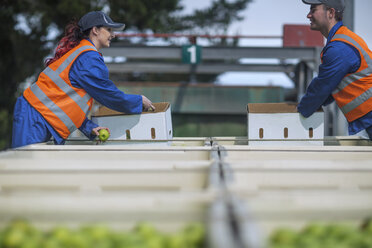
(98, 176)
(167, 211)
(301, 175)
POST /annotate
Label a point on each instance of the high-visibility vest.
(64, 106)
(353, 94)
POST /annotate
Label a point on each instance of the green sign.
(191, 54)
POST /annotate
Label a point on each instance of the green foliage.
(5, 126)
(21, 234)
(165, 16)
(318, 236)
(158, 16)
(217, 17)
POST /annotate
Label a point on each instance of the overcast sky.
(267, 17)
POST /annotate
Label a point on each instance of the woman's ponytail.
(72, 38)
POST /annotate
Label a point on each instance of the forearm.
(90, 73)
(335, 66)
(119, 101)
(316, 95)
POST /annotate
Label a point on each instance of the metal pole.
(192, 80)
(340, 125)
(349, 14)
(301, 81)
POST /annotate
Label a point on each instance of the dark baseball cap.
(98, 18)
(338, 5)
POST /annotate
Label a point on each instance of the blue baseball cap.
(338, 5)
(98, 18)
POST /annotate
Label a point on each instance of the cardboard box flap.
(273, 108)
(104, 111)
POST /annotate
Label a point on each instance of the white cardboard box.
(280, 124)
(150, 125)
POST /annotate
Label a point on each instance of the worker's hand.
(95, 131)
(146, 103)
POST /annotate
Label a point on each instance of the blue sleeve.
(86, 128)
(90, 73)
(339, 59)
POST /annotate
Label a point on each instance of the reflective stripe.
(82, 102)
(53, 107)
(357, 101)
(352, 78)
(54, 76)
(349, 39)
(355, 76)
(70, 58)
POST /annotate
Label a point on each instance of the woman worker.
(58, 103)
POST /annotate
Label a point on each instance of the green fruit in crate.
(314, 230)
(103, 135)
(19, 224)
(366, 242)
(132, 240)
(194, 234)
(32, 244)
(61, 233)
(283, 236)
(144, 235)
(177, 241)
(339, 232)
(367, 227)
(146, 230)
(306, 241)
(78, 240)
(96, 232)
(14, 237)
(329, 236)
(51, 243)
(155, 242)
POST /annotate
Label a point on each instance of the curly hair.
(73, 36)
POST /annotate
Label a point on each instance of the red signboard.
(301, 36)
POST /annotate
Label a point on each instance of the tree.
(165, 16)
(24, 45)
(158, 16)
(216, 18)
(28, 26)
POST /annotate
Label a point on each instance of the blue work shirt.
(88, 72)
(339, 59)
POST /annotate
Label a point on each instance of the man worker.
(345, 74)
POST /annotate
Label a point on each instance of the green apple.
(283, 236)
(194, 233)
(103, 135)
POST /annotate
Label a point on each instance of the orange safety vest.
(64, 106)
(353, 94)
